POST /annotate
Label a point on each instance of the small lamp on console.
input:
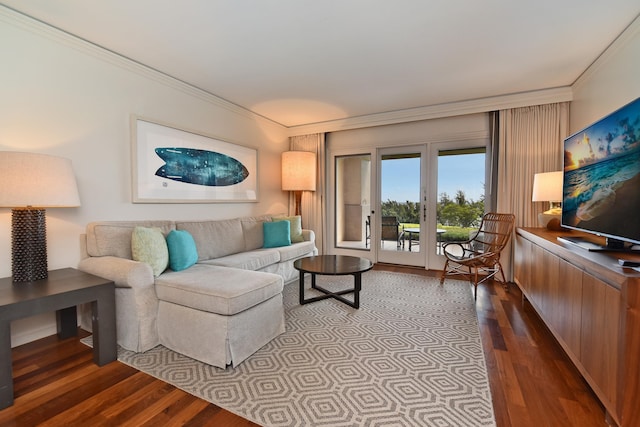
(547, 187)
(29, 183)
(298, 173)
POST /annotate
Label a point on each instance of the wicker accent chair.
(479, 257)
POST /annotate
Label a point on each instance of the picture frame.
(172, 165)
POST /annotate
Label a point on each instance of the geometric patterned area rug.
(410, 356)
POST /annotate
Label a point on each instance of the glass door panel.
(461, 195)
(353, 201)
(401, 208)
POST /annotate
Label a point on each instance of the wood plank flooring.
(532, 382)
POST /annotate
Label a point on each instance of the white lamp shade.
(298, 171)
(37, 180)
(547, 187)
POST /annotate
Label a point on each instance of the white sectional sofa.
(219, 310)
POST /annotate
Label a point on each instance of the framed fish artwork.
(170, 165)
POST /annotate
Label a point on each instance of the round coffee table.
(333, 265)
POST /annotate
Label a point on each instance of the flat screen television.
(601, 181)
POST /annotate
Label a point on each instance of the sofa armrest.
(125, 273)
(308, 235)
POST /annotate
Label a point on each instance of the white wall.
(611, 82)
(448, 129)
(64, 97)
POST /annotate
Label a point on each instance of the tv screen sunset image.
(601, 189)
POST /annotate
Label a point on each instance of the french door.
(400, 204)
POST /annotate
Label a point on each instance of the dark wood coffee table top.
(335, 265)
(332, 265)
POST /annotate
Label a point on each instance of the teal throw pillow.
(276, 234)
(182, 250)
(296, 227)
(148, 246)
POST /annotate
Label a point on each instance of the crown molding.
(618, 44)
(481, 105)
(27, 23)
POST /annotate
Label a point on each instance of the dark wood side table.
(333, 265)
(62, 291)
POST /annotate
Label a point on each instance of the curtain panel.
(529, 141)
(312, 206)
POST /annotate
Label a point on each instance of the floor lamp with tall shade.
(298, 174)
(30, 183)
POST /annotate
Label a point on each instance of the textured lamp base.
(551, 219)
(28, 244)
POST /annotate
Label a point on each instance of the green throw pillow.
(296, 227)
(182, 250)
(276, 234)
(149, 246)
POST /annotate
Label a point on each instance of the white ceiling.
(300, 62)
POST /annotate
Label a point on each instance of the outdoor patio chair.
(479, 257)
(390, 230)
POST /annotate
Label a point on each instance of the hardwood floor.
(533, 383)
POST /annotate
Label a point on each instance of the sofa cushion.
(296, 227)
(182, 250)
(277, 234)
(250, 260)
(148, 245)
(215, 239)
(253, 233)
(113, 238)
(296, 250)
(220, 290)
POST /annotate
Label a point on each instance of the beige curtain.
(529, 141)
(312, 206)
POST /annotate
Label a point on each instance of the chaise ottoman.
(219, 315)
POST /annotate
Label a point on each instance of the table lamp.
(547, 187)
(298, 173)
(29, 183)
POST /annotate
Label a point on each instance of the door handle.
(424, 212)
(424, 206)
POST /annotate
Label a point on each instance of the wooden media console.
(592, 306)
